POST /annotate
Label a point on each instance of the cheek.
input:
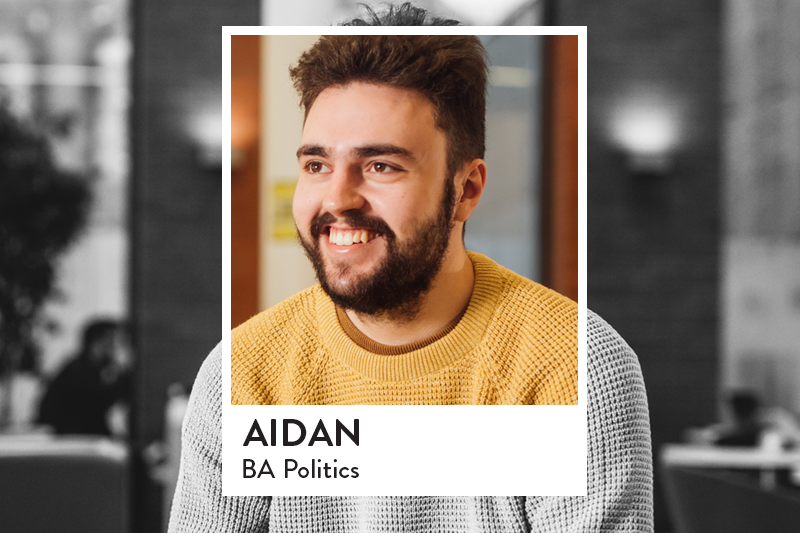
(303, 208)
(404, 210)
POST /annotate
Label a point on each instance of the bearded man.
(391, 167)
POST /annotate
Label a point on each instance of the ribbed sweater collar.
(432, 357)
(385, 349)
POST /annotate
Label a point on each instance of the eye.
(316, 167)
(381, 167)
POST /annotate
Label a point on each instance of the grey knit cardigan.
(619, 492)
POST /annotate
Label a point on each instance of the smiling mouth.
(348, 237)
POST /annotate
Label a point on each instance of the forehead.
(363, 113)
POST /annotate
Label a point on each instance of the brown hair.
(451, 71)
(406, 14)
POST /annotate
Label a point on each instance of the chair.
(64, 485)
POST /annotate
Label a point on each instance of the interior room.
(693, 229)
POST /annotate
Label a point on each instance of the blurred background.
(110, 191)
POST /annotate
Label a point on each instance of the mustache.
(356, 219)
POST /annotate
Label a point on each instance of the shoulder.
(618, 416)
(198, 503)
(277, 324)
(300, 307)
(523, 300)
(262, 347)
(206, 393)
(619, 489)
(531, 341)
(547, 337)
(204, 412)
(618, 427)
(544, 307)
(612, 365)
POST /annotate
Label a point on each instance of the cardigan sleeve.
(198, 505)
(620, 472)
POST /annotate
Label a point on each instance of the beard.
(403, 276)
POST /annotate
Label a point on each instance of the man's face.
(372, 206)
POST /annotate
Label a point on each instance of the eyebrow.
(383, 149)
(311, 149)
(360, 151)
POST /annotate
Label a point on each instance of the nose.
(343, 192)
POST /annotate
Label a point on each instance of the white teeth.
(347, 238)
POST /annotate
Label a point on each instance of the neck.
(449, 295)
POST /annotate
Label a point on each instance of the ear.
(470, 182)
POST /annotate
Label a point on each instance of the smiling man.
(372, 159)
(390, 169)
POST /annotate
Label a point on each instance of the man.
(79, 398)
(390, 170)
(391, 167)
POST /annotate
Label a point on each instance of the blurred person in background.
(87, 395)
(748, 423)
(745, 428)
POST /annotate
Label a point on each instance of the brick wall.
(761, 247)
(653, 241)
(762, 119)
(176, 207)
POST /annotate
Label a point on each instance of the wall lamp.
(205, 131)
(206, 134)
(647, 134)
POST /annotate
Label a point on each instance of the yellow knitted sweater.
(517, 343)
